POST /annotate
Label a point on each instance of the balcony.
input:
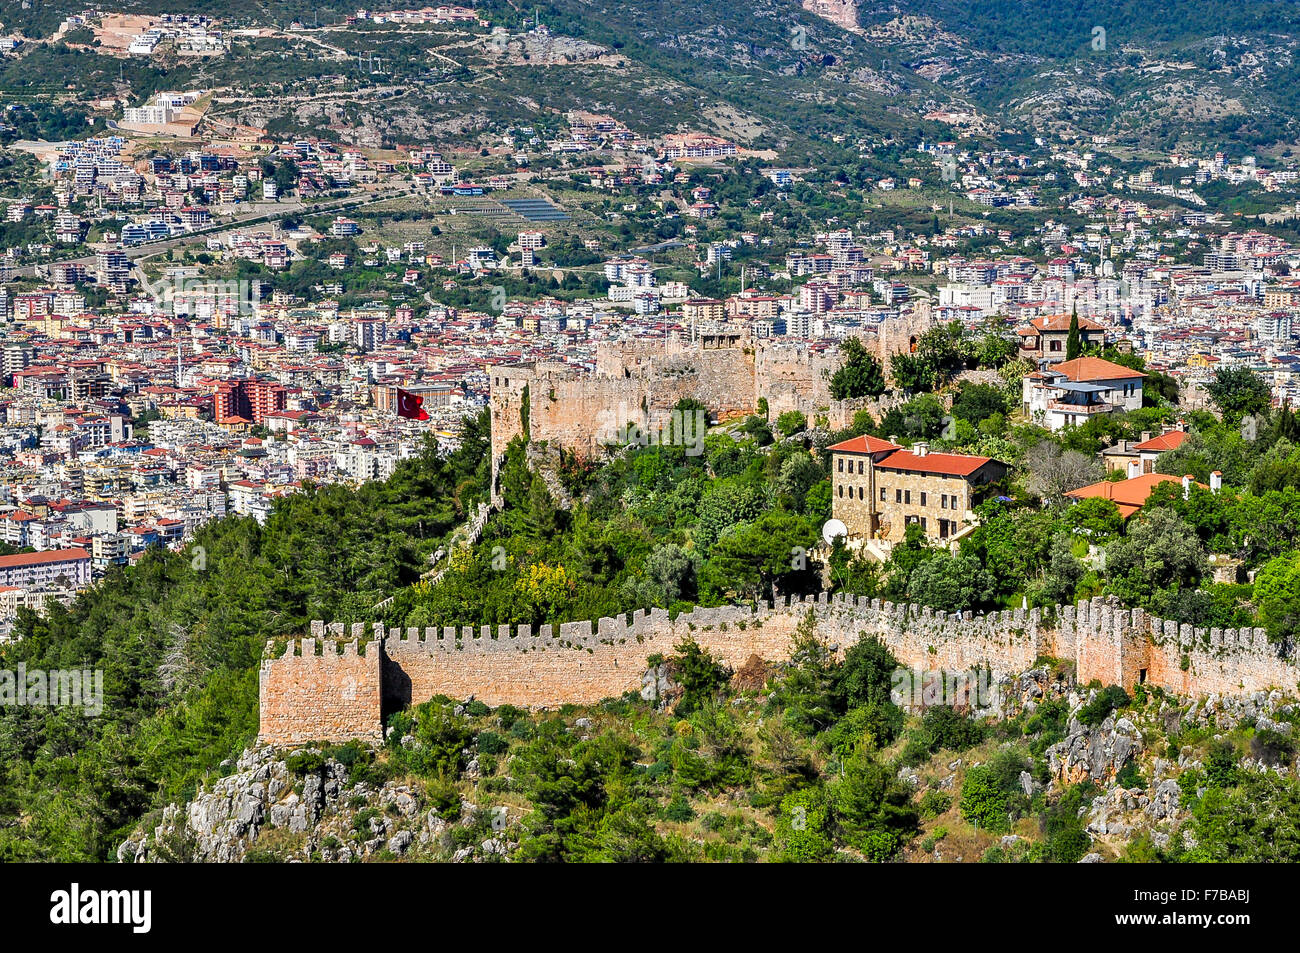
(1062, 407)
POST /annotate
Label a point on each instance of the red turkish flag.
(410, 406)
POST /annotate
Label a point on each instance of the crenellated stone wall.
(321, 690)
(582, 662)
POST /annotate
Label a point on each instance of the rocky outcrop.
(1025, 692)
(264, 810)
(1164, 802)
(843, 13)
(1096, 753)
(1268, 711)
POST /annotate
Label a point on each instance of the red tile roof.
(36, 559)
(1166, 441)
(943, 464)
(1128, 495)
(1095, 369)
(863, 444)
(1061, 322)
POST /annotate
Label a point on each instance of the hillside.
(768, 73)
(802, 762)
(1172, 73)
(179, 637)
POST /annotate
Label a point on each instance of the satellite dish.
(833, 529)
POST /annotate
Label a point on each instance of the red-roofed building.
(1133, 458)
(1043, 338)
(1131, 495)
(1169, 440)
(1072, 392)
(43, 570)
(879, 488)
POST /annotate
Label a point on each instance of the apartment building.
(43, 570)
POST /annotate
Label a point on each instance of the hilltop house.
(880, 488)
(1071, 392)
(1043, 338)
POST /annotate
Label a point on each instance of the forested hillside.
(179, 637)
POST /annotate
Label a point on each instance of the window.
(898, 496)
(1054, 346)
(943, 502)
(922, 523)
(882, 494)
(907, 496)
(841, 462)
(841, 488)
(859, 466)
(923, 498)
(861, 493)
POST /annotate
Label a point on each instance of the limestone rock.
(1097, 753)
(1164, 802)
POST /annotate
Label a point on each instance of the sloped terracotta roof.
(1166, 441)
(1095, 369)
(1061, 322)
(1130, 495)
(863, 444)
(943, 464)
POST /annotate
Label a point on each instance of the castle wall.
(794, 377)
(333, 697)
(639, 382)
(1224, 661)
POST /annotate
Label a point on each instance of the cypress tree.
(1073, 341)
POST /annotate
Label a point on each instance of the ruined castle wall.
(722, 379)
(639, 382)
(506, 393)
(840, 413)
(1224, 661)
(332, 697)
(794, 377)
(580, 413)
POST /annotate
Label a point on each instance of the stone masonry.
(335, 697)
(321, 689)
(639, 382)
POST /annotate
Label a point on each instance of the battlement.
(337, 683)
(320, 689)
